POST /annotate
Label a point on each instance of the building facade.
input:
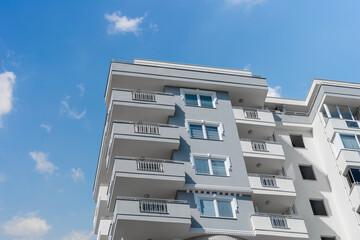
(201, 153)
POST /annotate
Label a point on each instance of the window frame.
(209, 157)
(328, 113)
(312, 169)
(356, 139)
(218, 125)
(198, 93)
(297, 135)
(324, 205)
(216, 197)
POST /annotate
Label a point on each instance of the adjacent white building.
(194, 152)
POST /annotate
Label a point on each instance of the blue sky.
(54, 60)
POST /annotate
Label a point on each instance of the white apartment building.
(201, 153)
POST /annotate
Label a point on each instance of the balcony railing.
(148, 165)
(268, 181)
(140, 95)
(259, 146)
(146, 128)
(153, 206)
(278, 222)
(250, 113)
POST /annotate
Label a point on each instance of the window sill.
(216, 140)
(211, 175)
(200, 106)
(226, 218)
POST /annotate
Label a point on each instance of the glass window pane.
(349, 141)
(225, 209)
(212, 132)
(202, 166)
(191, 99)
(318, 207)
(352, 124)
(333, 111)
(218, 167)
(196, 131)
(307, 172)
(206, 101)
(355, 172)
(345, 113)
(207, 207)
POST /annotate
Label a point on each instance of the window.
(204, 131)
(199, 98)
(210, 166)
(216, 208)
(318, 207)
(307, 172)
(297, 141)
(349, 141)
(328, 238)
(353, 176)
(352, 124)
(337, 111)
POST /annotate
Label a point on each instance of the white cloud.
(77, 174)
(247, 3)
(123, 24)
(2, 177)
(7, 81)
(30, 227)
(43, 164)
(81, 87)
(72, 113)
(46, 126)
(154, 27)
(79, 235)
(247, 67)
(274, 92)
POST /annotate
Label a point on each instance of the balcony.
(101, 208)
(272, 193)
(154, 178)
(139, 105)
(104, 227)
(342, 126)
(137, 139)
(348, 158)
(254, 123)
(264, 157)
(278, 227)
(355, 196)
(144, 218)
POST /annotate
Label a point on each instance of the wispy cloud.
(71, 112)
(274, 92)
(7, 82)
(43, 165)
(46, 126)
(77, 174)
(81, 87)
(29, 227)
(123, 24)
(80, 235)
(154, 27)
(247, 3)
(2, 177)
(247, 67)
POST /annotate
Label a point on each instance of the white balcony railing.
(148, 165)
(268, 181)
(153, 206)
(278, 222)
(146, 128)
(140, 95)
(259, 146)
(251, 113)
